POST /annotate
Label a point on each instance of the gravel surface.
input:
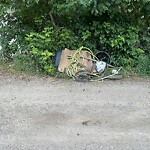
(57, 114)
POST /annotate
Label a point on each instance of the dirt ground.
(57, 114)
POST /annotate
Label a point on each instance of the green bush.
(24, 63)
(119, 40)
(143, 67)
(43, 46)
(145, 40)
(112, 25)
(143, 64)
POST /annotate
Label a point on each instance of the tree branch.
(52, 19)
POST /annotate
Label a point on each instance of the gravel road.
(57, 114)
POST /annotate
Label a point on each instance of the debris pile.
(82, 65)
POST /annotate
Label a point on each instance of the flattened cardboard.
(65, 62)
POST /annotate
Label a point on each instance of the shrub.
(119, 40)
(43, 46)
(143, 67)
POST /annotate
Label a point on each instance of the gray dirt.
(57, 114)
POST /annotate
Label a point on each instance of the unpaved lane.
(50, 114)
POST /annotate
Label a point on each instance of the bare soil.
(55, 114)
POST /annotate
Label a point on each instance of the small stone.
(85, 122)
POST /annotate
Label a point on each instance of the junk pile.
(82, 65)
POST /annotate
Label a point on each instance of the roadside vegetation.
(31, 31)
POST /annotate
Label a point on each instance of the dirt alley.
(57, 114)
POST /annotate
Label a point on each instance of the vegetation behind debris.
(31, 31)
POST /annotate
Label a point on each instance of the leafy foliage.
(118, 26)
(143, 67)
(44, 45)
(119, 40)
